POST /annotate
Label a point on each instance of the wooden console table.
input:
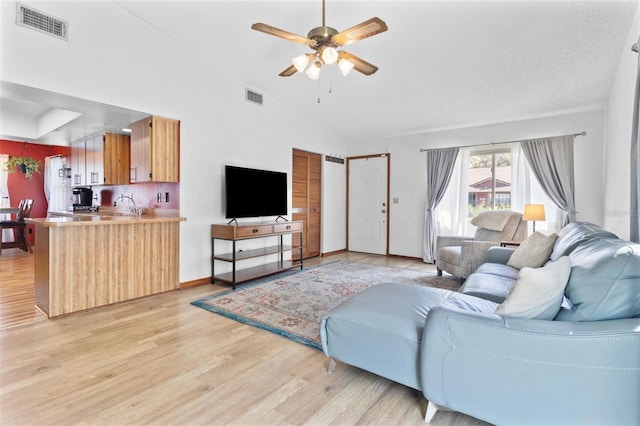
(237, 233)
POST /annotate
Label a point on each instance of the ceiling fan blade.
(268, 29)
(289, 72)
(361, 31)
(359, 65)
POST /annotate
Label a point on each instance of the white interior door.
(368, 204)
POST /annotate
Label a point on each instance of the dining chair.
(18, 226)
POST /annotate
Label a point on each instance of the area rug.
(292, 304)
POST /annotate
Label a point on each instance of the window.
(489, 179)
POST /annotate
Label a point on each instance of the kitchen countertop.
(104, 218)
(138, 256)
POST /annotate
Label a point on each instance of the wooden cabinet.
(237, 233)
(116, 159)
(307, 198)
(82, 263)
(100, 160)
(155, 150)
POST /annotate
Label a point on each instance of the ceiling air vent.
(254, 97)
(31, 18)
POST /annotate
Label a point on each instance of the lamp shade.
(345, 66)
(329, 55)
(313, 72)
(533, 212)
(300, 62)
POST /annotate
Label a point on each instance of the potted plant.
(23, 165)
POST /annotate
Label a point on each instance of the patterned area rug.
(293, 303)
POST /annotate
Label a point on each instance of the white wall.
(408, 171)
(618, 138)
(114, 58)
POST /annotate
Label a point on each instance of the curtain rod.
(493, 143)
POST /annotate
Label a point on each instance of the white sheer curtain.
(525, 189)
(54, 184)
(451, 213)
(7, 234)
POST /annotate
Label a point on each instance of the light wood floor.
(162, 361)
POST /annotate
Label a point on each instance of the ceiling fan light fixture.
(300, 62)
(326, 41)
(345, 66)
(313, 72)
(329, 55)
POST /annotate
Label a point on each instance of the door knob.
(384, 211)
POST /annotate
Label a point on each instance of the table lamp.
(533, 212)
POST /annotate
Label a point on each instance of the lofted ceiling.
(442, 64)
(39, 116)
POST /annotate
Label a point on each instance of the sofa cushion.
(575, 234)
(491, 281)
(380, 329)
(538, 292)
(499, 269)
(604, 282)
(533, 252)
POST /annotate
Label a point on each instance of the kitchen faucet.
(132, 210)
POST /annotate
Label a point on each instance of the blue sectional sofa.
(583, 367)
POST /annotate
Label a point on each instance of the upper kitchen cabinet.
(116, 159)
(78, 163)
(94, 160)
(100, 160)
(155, 150)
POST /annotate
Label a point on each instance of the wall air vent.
(36, 20)
(254, 97)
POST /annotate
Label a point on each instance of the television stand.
(236, 234)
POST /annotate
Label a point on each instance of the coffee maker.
(82, 199)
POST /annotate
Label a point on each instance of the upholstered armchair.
(460, 256)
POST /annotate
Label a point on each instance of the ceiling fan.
(325, 41)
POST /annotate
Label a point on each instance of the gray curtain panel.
(440, 164)
(634, 229)
(551, 161)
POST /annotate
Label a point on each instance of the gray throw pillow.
(533, 252)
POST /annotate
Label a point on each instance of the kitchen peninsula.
(87, 260)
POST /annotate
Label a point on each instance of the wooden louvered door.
(307, 199)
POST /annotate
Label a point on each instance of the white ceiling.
(443, 64)
(38, 116)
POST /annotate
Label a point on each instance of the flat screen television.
(255, 193)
